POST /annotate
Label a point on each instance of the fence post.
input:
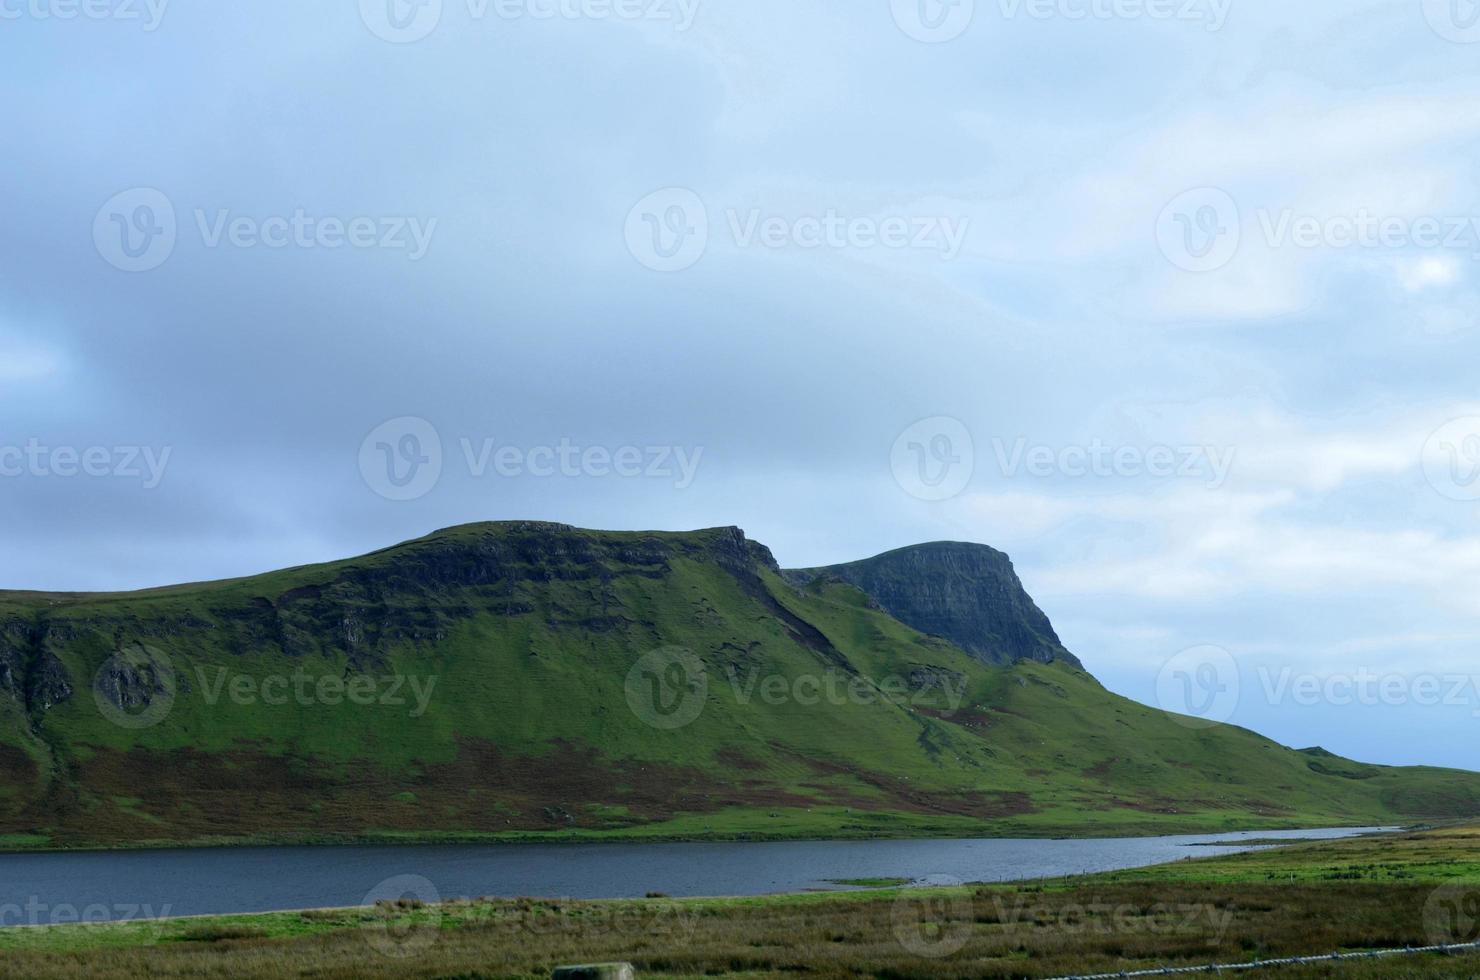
(596, 971)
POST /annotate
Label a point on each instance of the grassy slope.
(1432, 857)
(529, 729)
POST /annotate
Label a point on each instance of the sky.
(1174, 301)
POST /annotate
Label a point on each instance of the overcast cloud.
(1188, 290)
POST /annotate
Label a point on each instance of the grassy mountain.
(509, 679)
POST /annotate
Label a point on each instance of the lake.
(39, 889)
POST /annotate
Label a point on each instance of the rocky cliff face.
(28, 671)
(967, 593)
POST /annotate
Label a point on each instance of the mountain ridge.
(535, 679)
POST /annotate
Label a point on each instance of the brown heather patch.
(738, 759)
(1151, 805)
(20, 785)
(187, 794)
(16, 767)
(247, 792)
(896, 793)
(1164, 805)
(1007, 932)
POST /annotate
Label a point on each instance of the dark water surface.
(39, 889)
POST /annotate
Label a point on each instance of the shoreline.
(581, 838)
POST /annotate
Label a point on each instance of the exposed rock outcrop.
(30, 673)
(966, 593)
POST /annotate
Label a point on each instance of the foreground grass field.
(1401, 890)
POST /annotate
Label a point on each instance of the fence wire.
(1217, 968)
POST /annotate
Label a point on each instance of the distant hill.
(502, 680)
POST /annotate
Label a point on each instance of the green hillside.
(520, 678)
